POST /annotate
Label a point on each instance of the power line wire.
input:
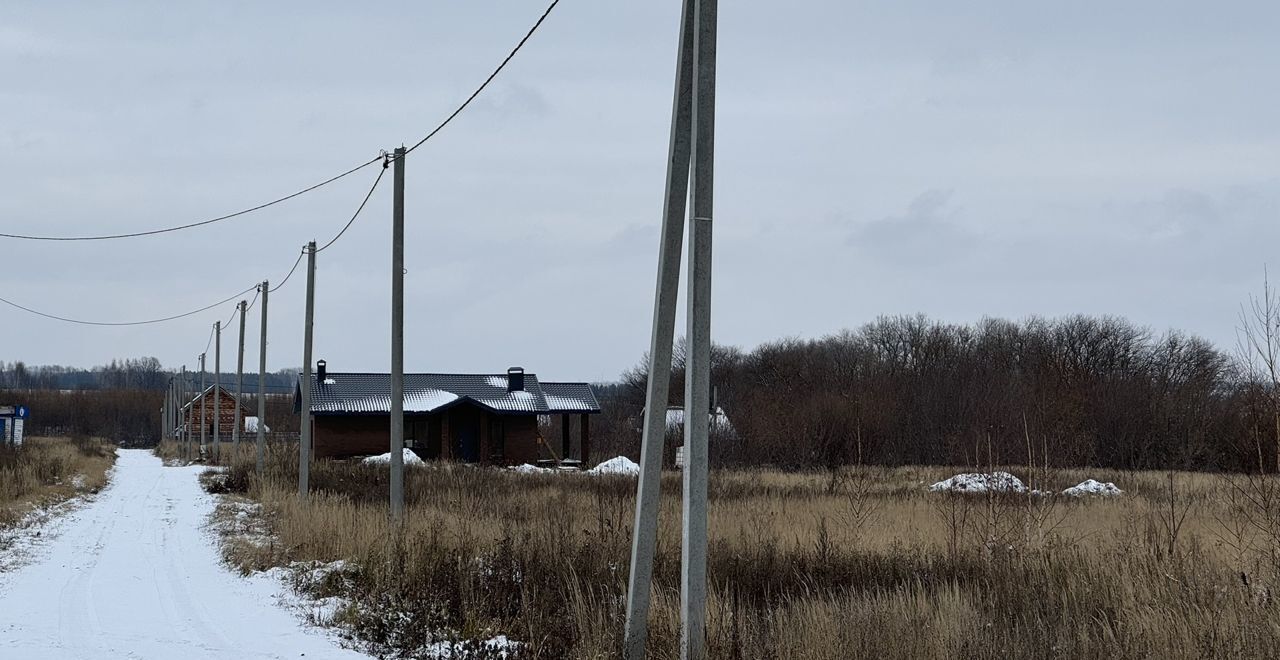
(286, 277)
(208, 343)
(488, 80)
(361, 208)
(152, 232)
(123, 323)
(453, 115)
(257, 291)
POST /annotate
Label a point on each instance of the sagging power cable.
(453, 115)
(123, 323)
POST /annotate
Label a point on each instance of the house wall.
(522, 441)
(344, 436)
(226, 414)
(337, 436)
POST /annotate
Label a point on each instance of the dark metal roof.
(206, 391)
(570, 398)
(366, 393)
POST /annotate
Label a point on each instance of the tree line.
(143, 373)
(1074, 391)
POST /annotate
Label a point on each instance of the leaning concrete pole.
(304, 441)
(262, 382)
(697, 391)
(235, 429)
(645, 533)
(217, 391)
(397, 341)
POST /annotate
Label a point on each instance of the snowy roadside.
(21, 542)
(318, 593)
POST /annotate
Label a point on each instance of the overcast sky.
(957, 159)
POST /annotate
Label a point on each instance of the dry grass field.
(43, 471)
(864, 562)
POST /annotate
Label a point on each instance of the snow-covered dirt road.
(134, 575)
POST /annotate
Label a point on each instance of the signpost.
(12, 420)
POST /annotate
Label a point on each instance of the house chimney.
(515, 379)
(320, 371)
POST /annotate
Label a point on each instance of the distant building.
(472, 418)
(718, 419)
(226, 414)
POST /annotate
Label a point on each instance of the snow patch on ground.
(21, 543)
(1089, 487)
(498, 646)
(981, 482)
(530, 469)
(410, 458)
(618, 465)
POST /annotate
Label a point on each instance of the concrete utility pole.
(397, 341)
(692, 142)
(173, 407)
(204, 420)
(164, 411)
(172, 430)
(304, 443)
(262, 381)
(697, 389)
(185, 435)
(235, 430)
(217, 391)
(645, 534)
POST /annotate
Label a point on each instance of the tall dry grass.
(42, 471)
(861, 562)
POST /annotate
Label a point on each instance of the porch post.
(585, 439)
(564, 436)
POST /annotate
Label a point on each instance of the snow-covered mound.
(410, 458)
(529, 469)
(619, 465)
(1091, 487)
(981, 482)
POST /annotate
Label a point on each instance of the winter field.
(168, 560)
(863, 562)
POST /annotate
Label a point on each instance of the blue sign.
(22, 412)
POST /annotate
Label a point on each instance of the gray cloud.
(990, 158)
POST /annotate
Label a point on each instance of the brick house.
(226, 414)
(472, 418)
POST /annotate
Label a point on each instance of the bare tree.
(1258, 346)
